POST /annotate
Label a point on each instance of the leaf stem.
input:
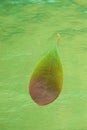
(58, 37)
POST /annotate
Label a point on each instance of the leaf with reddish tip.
(46, 80)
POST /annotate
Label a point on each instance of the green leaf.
(46, 80)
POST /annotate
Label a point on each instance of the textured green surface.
(27, 32)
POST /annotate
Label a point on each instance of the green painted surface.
(27, 33)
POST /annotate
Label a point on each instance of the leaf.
(46, 80)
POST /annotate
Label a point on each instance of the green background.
(27, 32)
